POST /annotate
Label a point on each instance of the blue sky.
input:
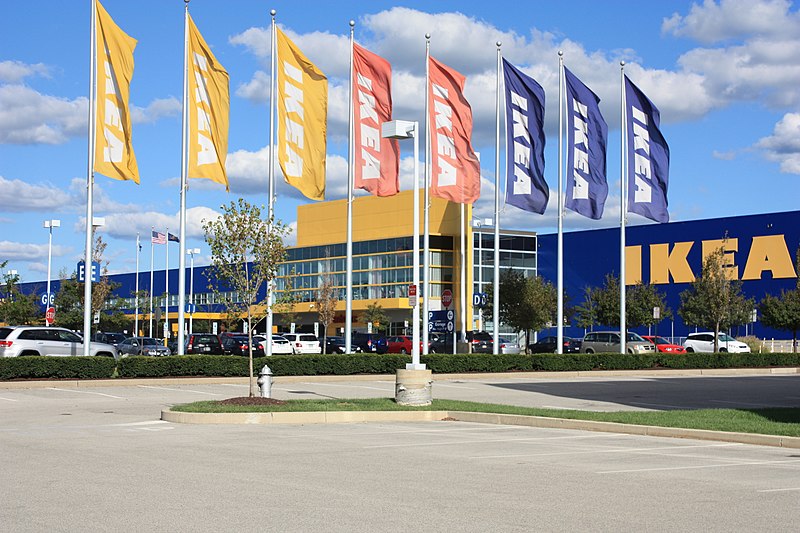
(725, 75)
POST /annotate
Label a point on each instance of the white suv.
(704, 342)
(37, 340)
(303, 343)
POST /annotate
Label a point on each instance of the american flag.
(158, 238)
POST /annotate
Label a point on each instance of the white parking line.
(611, 450)
(180, 390)
(8, 399)
(87, 392)
(755, 463)
(779, 490)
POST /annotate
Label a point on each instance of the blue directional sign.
(94, 274)
(441, 321)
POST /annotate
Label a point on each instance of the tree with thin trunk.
(715, 300)
(327, 300)
(246, 251)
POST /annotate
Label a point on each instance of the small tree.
(715, 301)
(326, 304)
(526, 303)
(246, 251)
(375, 314)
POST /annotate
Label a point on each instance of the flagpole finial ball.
(273, 12)
(352, 23)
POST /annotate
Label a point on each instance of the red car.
(400, 344)
(663, 345)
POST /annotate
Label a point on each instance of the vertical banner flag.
(376, 159)
(455, 169)
(587, 135)
(158, 238)
(113, 151)
(526, 187)
(209, 106)
(648, 156)
(302, 120)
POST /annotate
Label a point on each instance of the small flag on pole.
(158, 238)
(648, 156)
(587, 134)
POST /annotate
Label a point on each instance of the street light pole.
(191, 253)
(49, 224)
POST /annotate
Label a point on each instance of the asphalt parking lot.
(99, 459)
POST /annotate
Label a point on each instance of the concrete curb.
(341, 417)
(199, 380)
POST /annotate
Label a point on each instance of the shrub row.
(311, 365)
(57, 368)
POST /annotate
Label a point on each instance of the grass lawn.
(784, 422)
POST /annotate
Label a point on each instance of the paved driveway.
(99, 459)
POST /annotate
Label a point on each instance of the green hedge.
(57, 367)
(314, 365)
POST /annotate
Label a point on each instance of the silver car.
(38, 340)
(143, 346)
(608, 342)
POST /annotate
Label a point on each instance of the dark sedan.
(549, 345)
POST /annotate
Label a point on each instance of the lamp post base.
(413, 387)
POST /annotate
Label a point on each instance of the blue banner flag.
(587, 134)
(173, 238)
(648, 156)
(526, 187)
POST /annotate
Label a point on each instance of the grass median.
(783, 421)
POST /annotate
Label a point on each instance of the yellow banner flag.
(208, 107)
(302, 120)
(113, 153)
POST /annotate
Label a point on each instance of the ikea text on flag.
(648, 156)
(526, 187)
(587, 133)
(113, 151)
(376, 159)
(209, 108)
(302, 119)
(455, 169)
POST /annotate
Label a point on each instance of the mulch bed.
(251, 400)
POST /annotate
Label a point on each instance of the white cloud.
(731, 19)
(29, 117)
(158, 108)
(16, 71)
(18, 196)
(783, 146)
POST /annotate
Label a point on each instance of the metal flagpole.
(270, 202)
(166, 289)
(184, 186)
(348, 314)
(136, 297)
(623, 208)
(560, 261)
(496, 281)
(87, 285)
(152, 229)
(426, 239)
